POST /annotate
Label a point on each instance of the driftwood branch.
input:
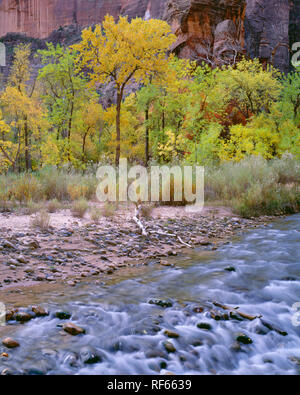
(138, 221)
(171, 235)
(236, 310)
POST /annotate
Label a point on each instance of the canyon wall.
(208, 30)
(214, 30)
(221, 29)
(38, 18)
(267, 26)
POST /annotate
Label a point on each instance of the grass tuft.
(41, 220)
(79, 208)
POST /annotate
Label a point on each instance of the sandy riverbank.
(74, 249)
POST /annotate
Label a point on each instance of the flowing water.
(125, 334)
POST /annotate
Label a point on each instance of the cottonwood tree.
(250, 88)
(124, 52)
(22, 111)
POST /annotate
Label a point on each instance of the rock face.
(294, 34)
(38, 18)
(209, 30)
(215, 30)
(218, 30)
(267, 31)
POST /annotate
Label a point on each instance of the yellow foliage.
(257, 138)
(125, 52)
(174, 146)
(77, 192)
(125, 49)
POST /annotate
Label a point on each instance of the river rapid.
(125, 334)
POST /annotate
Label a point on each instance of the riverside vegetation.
(117, 93)
(120, 93)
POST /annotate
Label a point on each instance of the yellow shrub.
(77, 192)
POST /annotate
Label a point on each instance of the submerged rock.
(161, 303)
(171, 334)
(23, 317)
(89, 356)
(62, 315)
(10, 343)
(204, 325)
(244, 339)
(169, 347)
(230, 269)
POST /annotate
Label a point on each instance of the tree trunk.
(147, 136)
(163, 120)
(69, 131)
(27, 148)
(118, 128)
(83, 147)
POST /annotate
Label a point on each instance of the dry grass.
(147, 210)
(79, 208)
(109, 210)
(41, 221)
(251, 187)
(256, 186)
(95, 214)
(33, 207)
(54, 205)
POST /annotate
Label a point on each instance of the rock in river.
(161, 303)
(23, 317)
(170, 348)
(73, 329)
(171, 334)
(244, 339)
(62, 315)
(10, 343)
(39, 311)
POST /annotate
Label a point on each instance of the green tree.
(65, 92)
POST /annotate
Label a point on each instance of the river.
(258, 272)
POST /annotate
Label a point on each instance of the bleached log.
(140, 225)
(137, 220)
(172, 235)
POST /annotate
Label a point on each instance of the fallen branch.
(137, 220)
(241, 314)
(171, 235)
(140, 225)
(182, 242)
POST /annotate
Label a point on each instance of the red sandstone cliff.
(213, 31)
(210, 29)
(38, 18)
